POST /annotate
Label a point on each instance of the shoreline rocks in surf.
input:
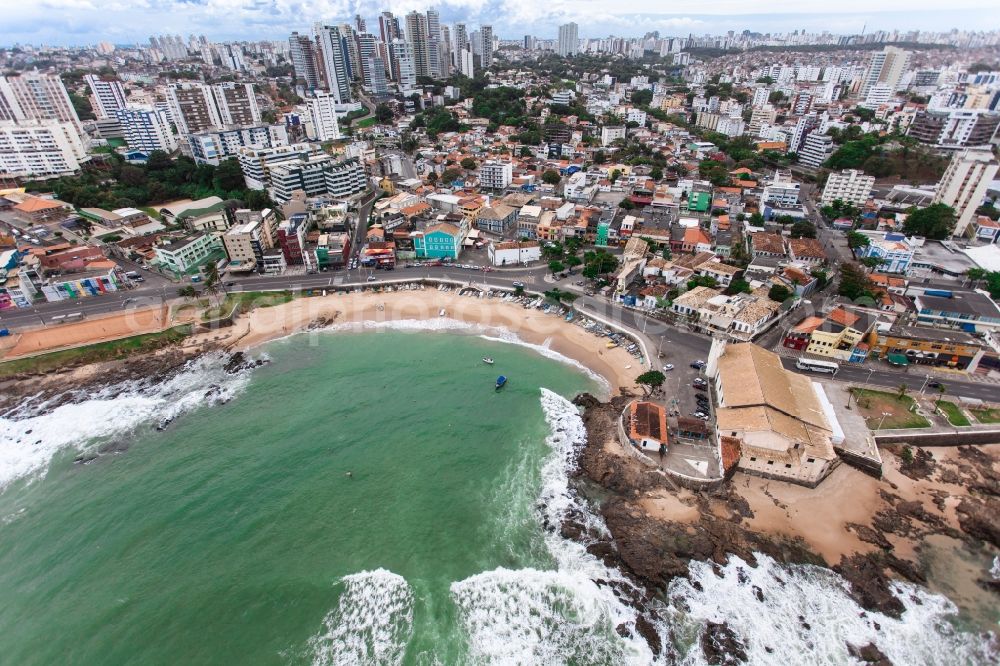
(653, 551)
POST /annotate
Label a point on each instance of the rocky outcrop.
(868, 654)
(980, 518)
(721, 646)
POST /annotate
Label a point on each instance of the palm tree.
(187, 292)
(941, 391)
(901, 391)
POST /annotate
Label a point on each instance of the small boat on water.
(487, 360)
(501, 380)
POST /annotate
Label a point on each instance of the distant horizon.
(81, 23)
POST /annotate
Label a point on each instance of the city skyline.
(83, 22)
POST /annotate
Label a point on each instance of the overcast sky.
(67, 22)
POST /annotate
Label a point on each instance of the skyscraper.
(444, 48)
(367, 49)
(433, 41)
(569, 42)
(416, 35)
(402, 53)
(486, 38)
(461, 38)
(304, 60)
(886, 69)
(333, 54)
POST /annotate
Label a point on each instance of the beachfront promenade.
(680, 344)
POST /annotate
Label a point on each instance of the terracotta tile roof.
(843, 317)
(808, 325)
(35, 204)
(807, 247)
(767, 242)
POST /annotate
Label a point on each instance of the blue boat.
(501, 380)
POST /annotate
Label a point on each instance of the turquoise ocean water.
(362, 499)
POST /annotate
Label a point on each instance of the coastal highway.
(678, 346)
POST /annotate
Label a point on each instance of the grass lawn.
(953, 413)
(152, 212)
(987, 414)
(872, 404)
(367, 122)
(102, 351)
(247, 300)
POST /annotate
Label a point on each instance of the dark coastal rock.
(646, 629)
(721, 646)
(869, 535)
(921, 466)
(868, 654)
(239, 362)
(869, 585)
(980, 518)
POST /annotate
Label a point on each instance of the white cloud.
(89, 21)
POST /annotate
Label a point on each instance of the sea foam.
(372, 623)
(555, 616)
(781, 613)
(33, 434)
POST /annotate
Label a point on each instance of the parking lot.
(681, 395)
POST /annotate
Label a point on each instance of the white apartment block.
(323, 115)
(196, 107)
(761, 118)
(147, 129)
(569, 41)
(495, 175)
(781, 191)
(214, 146)
(257, 162)
(965, 182)
(33, 96)
(816, 149)
(107, 96)
(850, 186)
(611, 134)
(39, 149)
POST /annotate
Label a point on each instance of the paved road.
(913, 379)
(678, 346)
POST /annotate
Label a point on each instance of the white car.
(668, 367)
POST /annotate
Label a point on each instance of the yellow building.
(843, 335)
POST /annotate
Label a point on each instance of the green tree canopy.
(779, 293)
(650, 380)
(935, 222)
(551, 176)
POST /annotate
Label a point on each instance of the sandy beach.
(489, 316)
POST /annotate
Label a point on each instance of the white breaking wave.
(491, 333)
(805, 610)
(560, 616)
(372, 623)
(32, 436)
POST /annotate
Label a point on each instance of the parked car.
(372, 278)
(668, 367)
(699, 387)
(698, 365)
(517, 285)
